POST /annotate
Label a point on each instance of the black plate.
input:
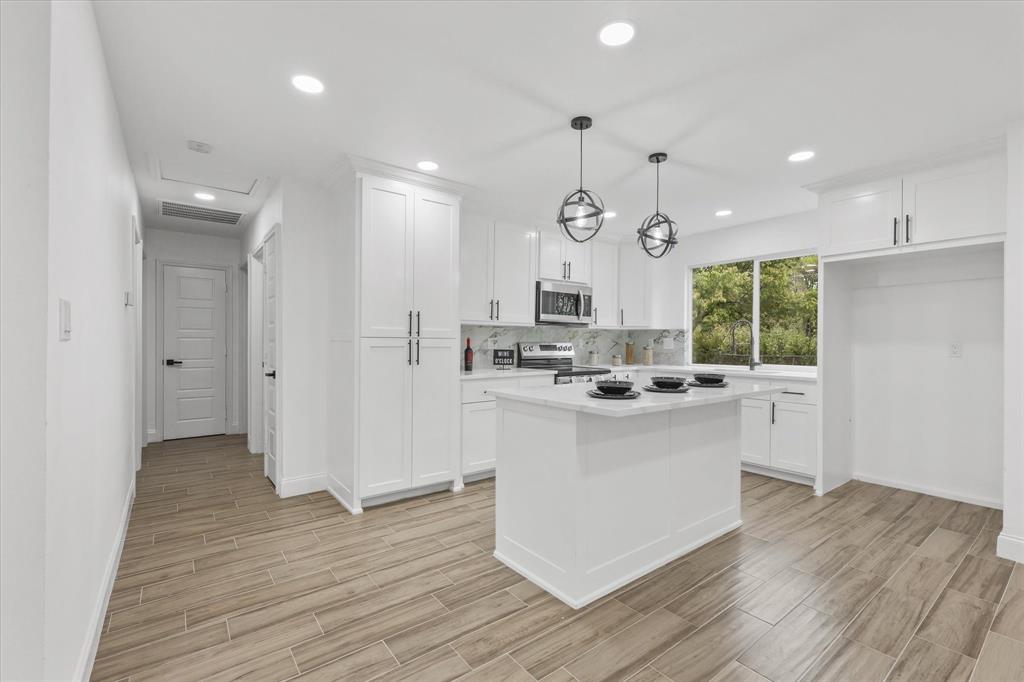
(655, 389)
(668, 382)
(700, 385)
(631, 395)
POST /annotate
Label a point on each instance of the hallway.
(221, 579)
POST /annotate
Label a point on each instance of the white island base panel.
(587, 504)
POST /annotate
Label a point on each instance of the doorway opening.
(264, 355)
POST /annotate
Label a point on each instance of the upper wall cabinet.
(634, 286)
(498, 272)
(409, 261)
(563, 259)
(606, 284)
(960, 201)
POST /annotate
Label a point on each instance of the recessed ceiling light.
(801, 156)
(610, 214)
(724, 212)
(204, 196)
(617, 33)
(308, 84)
(427, 165)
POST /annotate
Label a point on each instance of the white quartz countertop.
(767, 374)
(513, 372)
(574, 397)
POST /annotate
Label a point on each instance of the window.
(778, 326)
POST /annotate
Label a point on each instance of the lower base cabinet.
(778, 434)
(479, 412)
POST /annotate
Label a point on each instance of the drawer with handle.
(796, 392)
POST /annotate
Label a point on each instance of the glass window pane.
(789, 311)
(723, 295)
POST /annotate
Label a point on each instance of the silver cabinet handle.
(410, 323)
(417, 323)
(773, 412)
(794, 393)
(410, 352)
(622, 317)
(906, 225)
(498, 308)
(417, 351)
(895, 228)
(570, 270)
(491, 316)
(563, 269)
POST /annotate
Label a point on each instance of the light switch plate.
(64, 327)
(956, 350)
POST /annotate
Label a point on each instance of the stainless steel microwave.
(561, 303)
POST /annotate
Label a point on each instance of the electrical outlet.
(956, 350)
(668, 343)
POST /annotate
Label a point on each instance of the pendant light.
(582, 212)
(657, 233)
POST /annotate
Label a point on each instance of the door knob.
(272, 374)
(172, 363)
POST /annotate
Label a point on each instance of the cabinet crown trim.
(386, 170)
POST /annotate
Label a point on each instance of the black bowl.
(668, 382)
(709, 378)
(614, 387)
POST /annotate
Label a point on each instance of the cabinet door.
(479, 437)
(795, 437)
(436, 265)
(475, 277)
(435, 410)
(955, 202)
(577, 258)
(633, 311)
(515, 274)
(551, 263)
(385, 415)
(387, 218)
(755, 431)
(606, 284)
(865, 218)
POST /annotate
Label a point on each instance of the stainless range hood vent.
(173, 209)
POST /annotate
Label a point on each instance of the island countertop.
(574, 397)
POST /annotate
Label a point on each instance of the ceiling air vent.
(211, 215)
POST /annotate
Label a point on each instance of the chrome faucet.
(750, 326)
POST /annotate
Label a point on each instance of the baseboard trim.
(777, 473)
(343, 494)
(152, 436)
(405, 494)
(87, 657)
(926, 490)
(478, 476)
(302, 485)
(1010, 547)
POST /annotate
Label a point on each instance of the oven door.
(559, 303)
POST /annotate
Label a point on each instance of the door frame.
(229, 276)
(254, 352)
(255, 364)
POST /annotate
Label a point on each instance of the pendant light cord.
(581, 159)
(657, 188)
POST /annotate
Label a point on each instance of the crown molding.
(962, 153)
(361, 165)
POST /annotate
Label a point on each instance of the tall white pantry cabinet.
(407, 397)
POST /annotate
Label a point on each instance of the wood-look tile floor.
(222, 580)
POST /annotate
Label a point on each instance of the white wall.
(1011, 542)
(198, 250)
(923, 420)
(90, 472)
(24, 141)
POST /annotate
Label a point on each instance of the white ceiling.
(487, 89)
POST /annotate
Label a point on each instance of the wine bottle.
(467, 363)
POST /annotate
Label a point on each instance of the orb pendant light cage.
(581, 213)
(657, 233)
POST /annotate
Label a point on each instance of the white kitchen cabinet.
(634, 282)
(563, 259)
(865, 217)
(606, 284)
(479, 446)
(755, 431)
(498, 263)
(794, 437)
(409, 261)
(407, 433)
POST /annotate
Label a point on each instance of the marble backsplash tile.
(606, 342)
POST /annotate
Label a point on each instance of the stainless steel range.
(560, 357)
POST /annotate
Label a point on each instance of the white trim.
(343, 494)
(385, 498)
(625, 580)
(958, 243)
(478, 476)
(302, 485)
(152, 436)
(1010, 547)
(87, 656)
(777, 473)
(363, 166)
(926, 490)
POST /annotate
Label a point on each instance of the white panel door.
(606, 284)
(195, 335)
(271, 332)
(551, 263)
(385, 415)
(479, 440)
(865, 218)
(387, 216)
(794, 437)
(476, 299)
(577, 257)
(755, 431)
(435, 410)
(633, 305)
(514, 254)
(436, 265)
(954, 202)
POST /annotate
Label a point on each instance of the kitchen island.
(593, 494)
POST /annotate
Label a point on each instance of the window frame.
(756, 311)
